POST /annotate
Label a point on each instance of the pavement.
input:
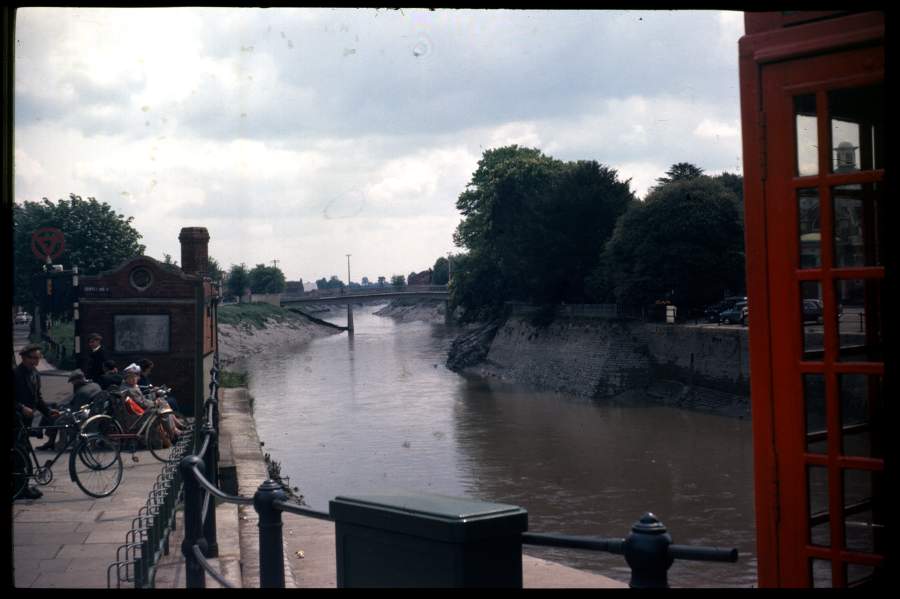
(67, 539)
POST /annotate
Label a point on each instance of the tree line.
(544, 231)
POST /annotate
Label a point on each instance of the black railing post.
(193, 523)
(271, 544)
(209, 525)
(647, 552)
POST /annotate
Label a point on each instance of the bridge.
(434, 292)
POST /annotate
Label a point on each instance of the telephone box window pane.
(857, 223)
(811, 319)
(807, 135)
(863, 525)
(810, 231)
(860, 574)
(861, 415)
(820, 573)
(857, 128)
(859, 320)
(819, 518)
(814, 398)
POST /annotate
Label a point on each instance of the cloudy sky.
(302, 135)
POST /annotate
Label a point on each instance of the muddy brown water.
(379, 411)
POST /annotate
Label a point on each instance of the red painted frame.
(812, 57)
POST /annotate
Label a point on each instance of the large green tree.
(266, 279)
(96, 238)
(680, 171)
(440, 272)
(536, 224)
(683, 243)
(238, 281)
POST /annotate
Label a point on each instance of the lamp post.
(348, 272)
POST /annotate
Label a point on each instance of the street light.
(348, 272)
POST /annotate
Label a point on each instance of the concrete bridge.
(433, 292)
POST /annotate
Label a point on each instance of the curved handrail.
(293, 508)
(201, 559)
(211, 488)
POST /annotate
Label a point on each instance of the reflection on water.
(379, 411)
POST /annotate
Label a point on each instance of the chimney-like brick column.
(194, 250)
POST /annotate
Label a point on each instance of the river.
(378, 411)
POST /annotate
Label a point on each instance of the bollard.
(209, 525)
(647, 552)
(193, 524)
(271, 544)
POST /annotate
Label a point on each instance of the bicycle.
(95, 464)
(148, 429)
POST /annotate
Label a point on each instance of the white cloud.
(261, 126)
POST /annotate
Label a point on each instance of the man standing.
(93, 367)
(29, 398)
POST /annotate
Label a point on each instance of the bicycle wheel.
(20, 471)
(96, 465)
(157, 440)
(110, 430)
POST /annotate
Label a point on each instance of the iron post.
(193, 523)
(647, 553)
(209, 525)
(271, 544)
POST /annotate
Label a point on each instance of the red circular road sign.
(47, 242)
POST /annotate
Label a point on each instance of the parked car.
(22, 318)
(812, 310)
(735, 315)
(712, 312)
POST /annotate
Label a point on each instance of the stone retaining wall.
(600, 358)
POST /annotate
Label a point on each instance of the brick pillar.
(194, 250)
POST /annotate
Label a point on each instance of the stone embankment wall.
(240, 340)
(594, 357)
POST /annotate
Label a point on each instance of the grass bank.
(254, 314)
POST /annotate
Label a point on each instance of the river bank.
(254, 328)
(697, 367)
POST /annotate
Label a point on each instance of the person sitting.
(146, 368)
(136, 403)
(111, 376)
(83, 392)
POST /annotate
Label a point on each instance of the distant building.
(293, 286)
(422, 278)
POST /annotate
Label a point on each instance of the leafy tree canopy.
(440, 272)
(536, 223)
(96, 238)
(680, 171)
(238, 280)
(684, 242)
(266, 279)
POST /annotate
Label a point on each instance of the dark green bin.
(415, 540)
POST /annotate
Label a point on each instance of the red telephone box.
(812, 105)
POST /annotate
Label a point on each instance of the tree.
(735, 184)
(680, 171)
(96, 239)
(440, 272)
(213, 270)
(684, 242)
(398, 281)
(167, 259)
(266, 279)
(537, 223)
(238, 281)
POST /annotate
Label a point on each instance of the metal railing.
(148, 539)
(648, 549)
(199, 472)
